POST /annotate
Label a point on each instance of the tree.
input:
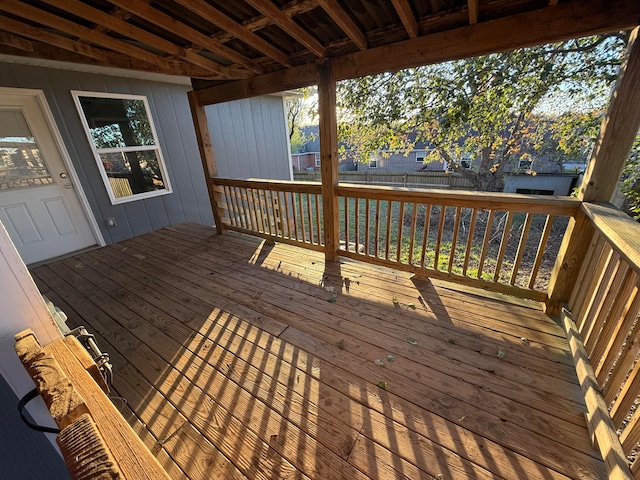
(630, 184)
(300, 110)
(484, 107)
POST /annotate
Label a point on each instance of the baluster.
(467, 252)
(503, 246)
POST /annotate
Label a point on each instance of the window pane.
(133, 172)
(20, 162)
(117, 122)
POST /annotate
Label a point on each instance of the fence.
(444, 180)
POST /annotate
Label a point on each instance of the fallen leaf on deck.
(501, 354)
(411, 305)
(394, 300)
(378, 362)
(412, 341)
(451, 341)
(391, 358)
(340, 344)
(330, 289)
(332, 299)
(525, 340)
(382, 385)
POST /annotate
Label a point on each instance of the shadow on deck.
(239, 359)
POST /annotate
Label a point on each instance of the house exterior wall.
(399, 162)
(169, 108)
(560, 184)
(250, 138)
(303, 161)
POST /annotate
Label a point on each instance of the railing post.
(206, 155)
(617, 133)
(328, 158)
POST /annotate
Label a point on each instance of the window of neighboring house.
(124, 144)
(420, 156)
(465, 163)
(373, 162)
(530, 191)
(317, 157)
(525, 164)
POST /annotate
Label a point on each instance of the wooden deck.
(239, 359)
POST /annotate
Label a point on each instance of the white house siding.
(250, 139)
(170, 111)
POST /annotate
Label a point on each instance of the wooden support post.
(206, 155)
(617, 133)
(618, 130)
(328, 158)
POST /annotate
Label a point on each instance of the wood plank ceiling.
(220, 41)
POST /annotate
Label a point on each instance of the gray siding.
(399, 162)
(250, 138)
(170, 111)
(558, 184)
(25, 453)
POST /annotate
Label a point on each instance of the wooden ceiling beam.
(112, 23)
(141, 9)
(215, 16)
(16, 42)
(473, 11)
(408, 19)
(287, 24)
(344, 21)
(107, 58)
(561, 22)
(58, 23)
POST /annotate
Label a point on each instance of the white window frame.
(373, 162)
(317, 159)
(420, 156)
(97, 151)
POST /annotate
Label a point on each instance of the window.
(317, 157)
(125, 145)
(465, 164)
(373, 161)
(420, 156)
(525, 164)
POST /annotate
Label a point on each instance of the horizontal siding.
(250, 139)
(170, 111)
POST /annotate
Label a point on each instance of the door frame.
(66, 159)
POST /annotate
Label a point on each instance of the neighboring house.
(307, 158)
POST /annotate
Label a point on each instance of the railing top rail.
(266, 184)
(497, 201)
(620, 230)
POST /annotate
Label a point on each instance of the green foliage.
(631, 180)
(483, 107)
(300, 110)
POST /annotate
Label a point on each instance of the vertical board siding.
(170, 111)
(249, 138)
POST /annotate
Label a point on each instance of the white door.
(38, 203)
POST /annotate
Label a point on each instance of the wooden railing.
(493, 241)
(289, 212)
(605, 303)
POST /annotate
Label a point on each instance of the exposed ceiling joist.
(344, 21)
(296, 7)
(562, 22)
(473, 11)
(215, 16)
(16, 42)
(287, 24)
(142, 10)
(408, 19)
(112, 23)
(55, 22)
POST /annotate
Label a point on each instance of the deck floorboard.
(242, 359)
